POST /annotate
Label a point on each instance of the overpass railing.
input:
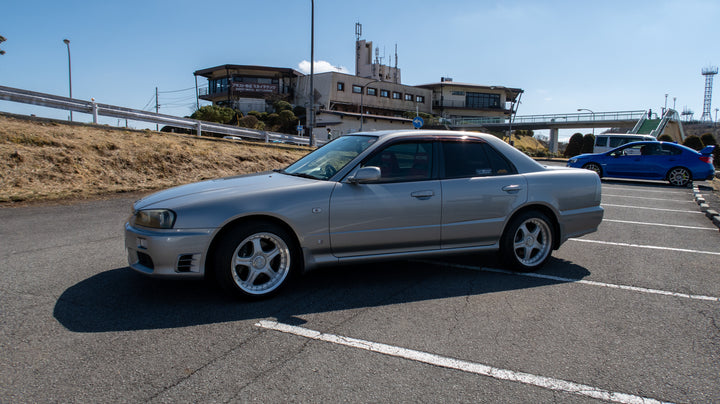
(553, 118)
(91, 107)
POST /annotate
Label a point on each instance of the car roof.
(522, 161)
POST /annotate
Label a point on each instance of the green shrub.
(693, 142)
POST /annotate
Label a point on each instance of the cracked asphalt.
(630, 309)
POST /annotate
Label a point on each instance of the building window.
(408, 97)
(458, 93)
(482, 100)
(340, 86)
(372, 91)
(357, 89)
(420, 99)
(396, 95)
(385, 93)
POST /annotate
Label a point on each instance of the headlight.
(572, 161)
(155, 218)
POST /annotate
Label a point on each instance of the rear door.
(480, 189)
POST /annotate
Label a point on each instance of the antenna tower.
(708, 72)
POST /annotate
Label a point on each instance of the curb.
(705, 208)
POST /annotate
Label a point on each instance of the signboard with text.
(254, 88)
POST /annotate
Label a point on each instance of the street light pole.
(67, 42)
(362, 93)
(311, 118)
(593, 116)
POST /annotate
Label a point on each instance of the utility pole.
(157, 108)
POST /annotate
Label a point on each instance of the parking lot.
(626, 314)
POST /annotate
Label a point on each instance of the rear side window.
(473, 159)
(601, 141)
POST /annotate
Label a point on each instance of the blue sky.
(604, 56)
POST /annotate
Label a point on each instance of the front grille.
(145, 260)
(188, 263)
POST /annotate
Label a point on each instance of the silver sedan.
(364, 197)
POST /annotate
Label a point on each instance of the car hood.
(218, 188)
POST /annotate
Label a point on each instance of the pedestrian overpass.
(640, 122)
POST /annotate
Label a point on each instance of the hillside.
(43, 159)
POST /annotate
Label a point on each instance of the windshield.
(324, 162)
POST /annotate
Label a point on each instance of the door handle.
(423, 194)
(512, 189)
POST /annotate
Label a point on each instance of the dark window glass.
(474, 159)
(482, 100)
(410, 161)
(408, 97)
(670, 150)
(371, 91)
(356, 89)
(396, 95)
(385, 93)
(420, 99)
(341, 86)
(601, 141)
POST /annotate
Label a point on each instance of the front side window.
(467, 159)
(324, 162)
(408, 161)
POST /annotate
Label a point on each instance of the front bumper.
(174, 253)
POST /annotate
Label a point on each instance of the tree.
(588, 143)
(214, 113)
(693, 142)
(2, 39)
(665, 138)
(708, 139)
(574, 146)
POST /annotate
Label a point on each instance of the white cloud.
(321, 66)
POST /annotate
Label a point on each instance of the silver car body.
(337, 220)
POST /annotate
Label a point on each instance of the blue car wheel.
(679, 176)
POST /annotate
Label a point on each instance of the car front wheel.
(679, 176)
(255, 260)
(527, 242)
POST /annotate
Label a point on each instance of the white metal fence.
(91, 107)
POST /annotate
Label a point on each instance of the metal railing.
(91, 107)
(554, 118)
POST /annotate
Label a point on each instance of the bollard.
(199, 129)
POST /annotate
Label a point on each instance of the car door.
(398, 213)
(625, 162)
(480, 189)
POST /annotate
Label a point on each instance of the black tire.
(255, 260)
(679, 176)
(594, 167)
(527, 242)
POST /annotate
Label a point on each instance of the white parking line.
(580, 281)
(650, 199)
(457, 364)
(660, 209)
(667, 192)
(677, 226)
(651, 247)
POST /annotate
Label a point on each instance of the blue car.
(652, 160)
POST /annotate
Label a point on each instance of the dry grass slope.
(46, 160)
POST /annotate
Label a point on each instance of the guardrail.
(91, 107)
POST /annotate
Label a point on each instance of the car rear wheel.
(594, 167)
(255, 260)
(527, 242)
(679, 176)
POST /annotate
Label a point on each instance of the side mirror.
(365, 175)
